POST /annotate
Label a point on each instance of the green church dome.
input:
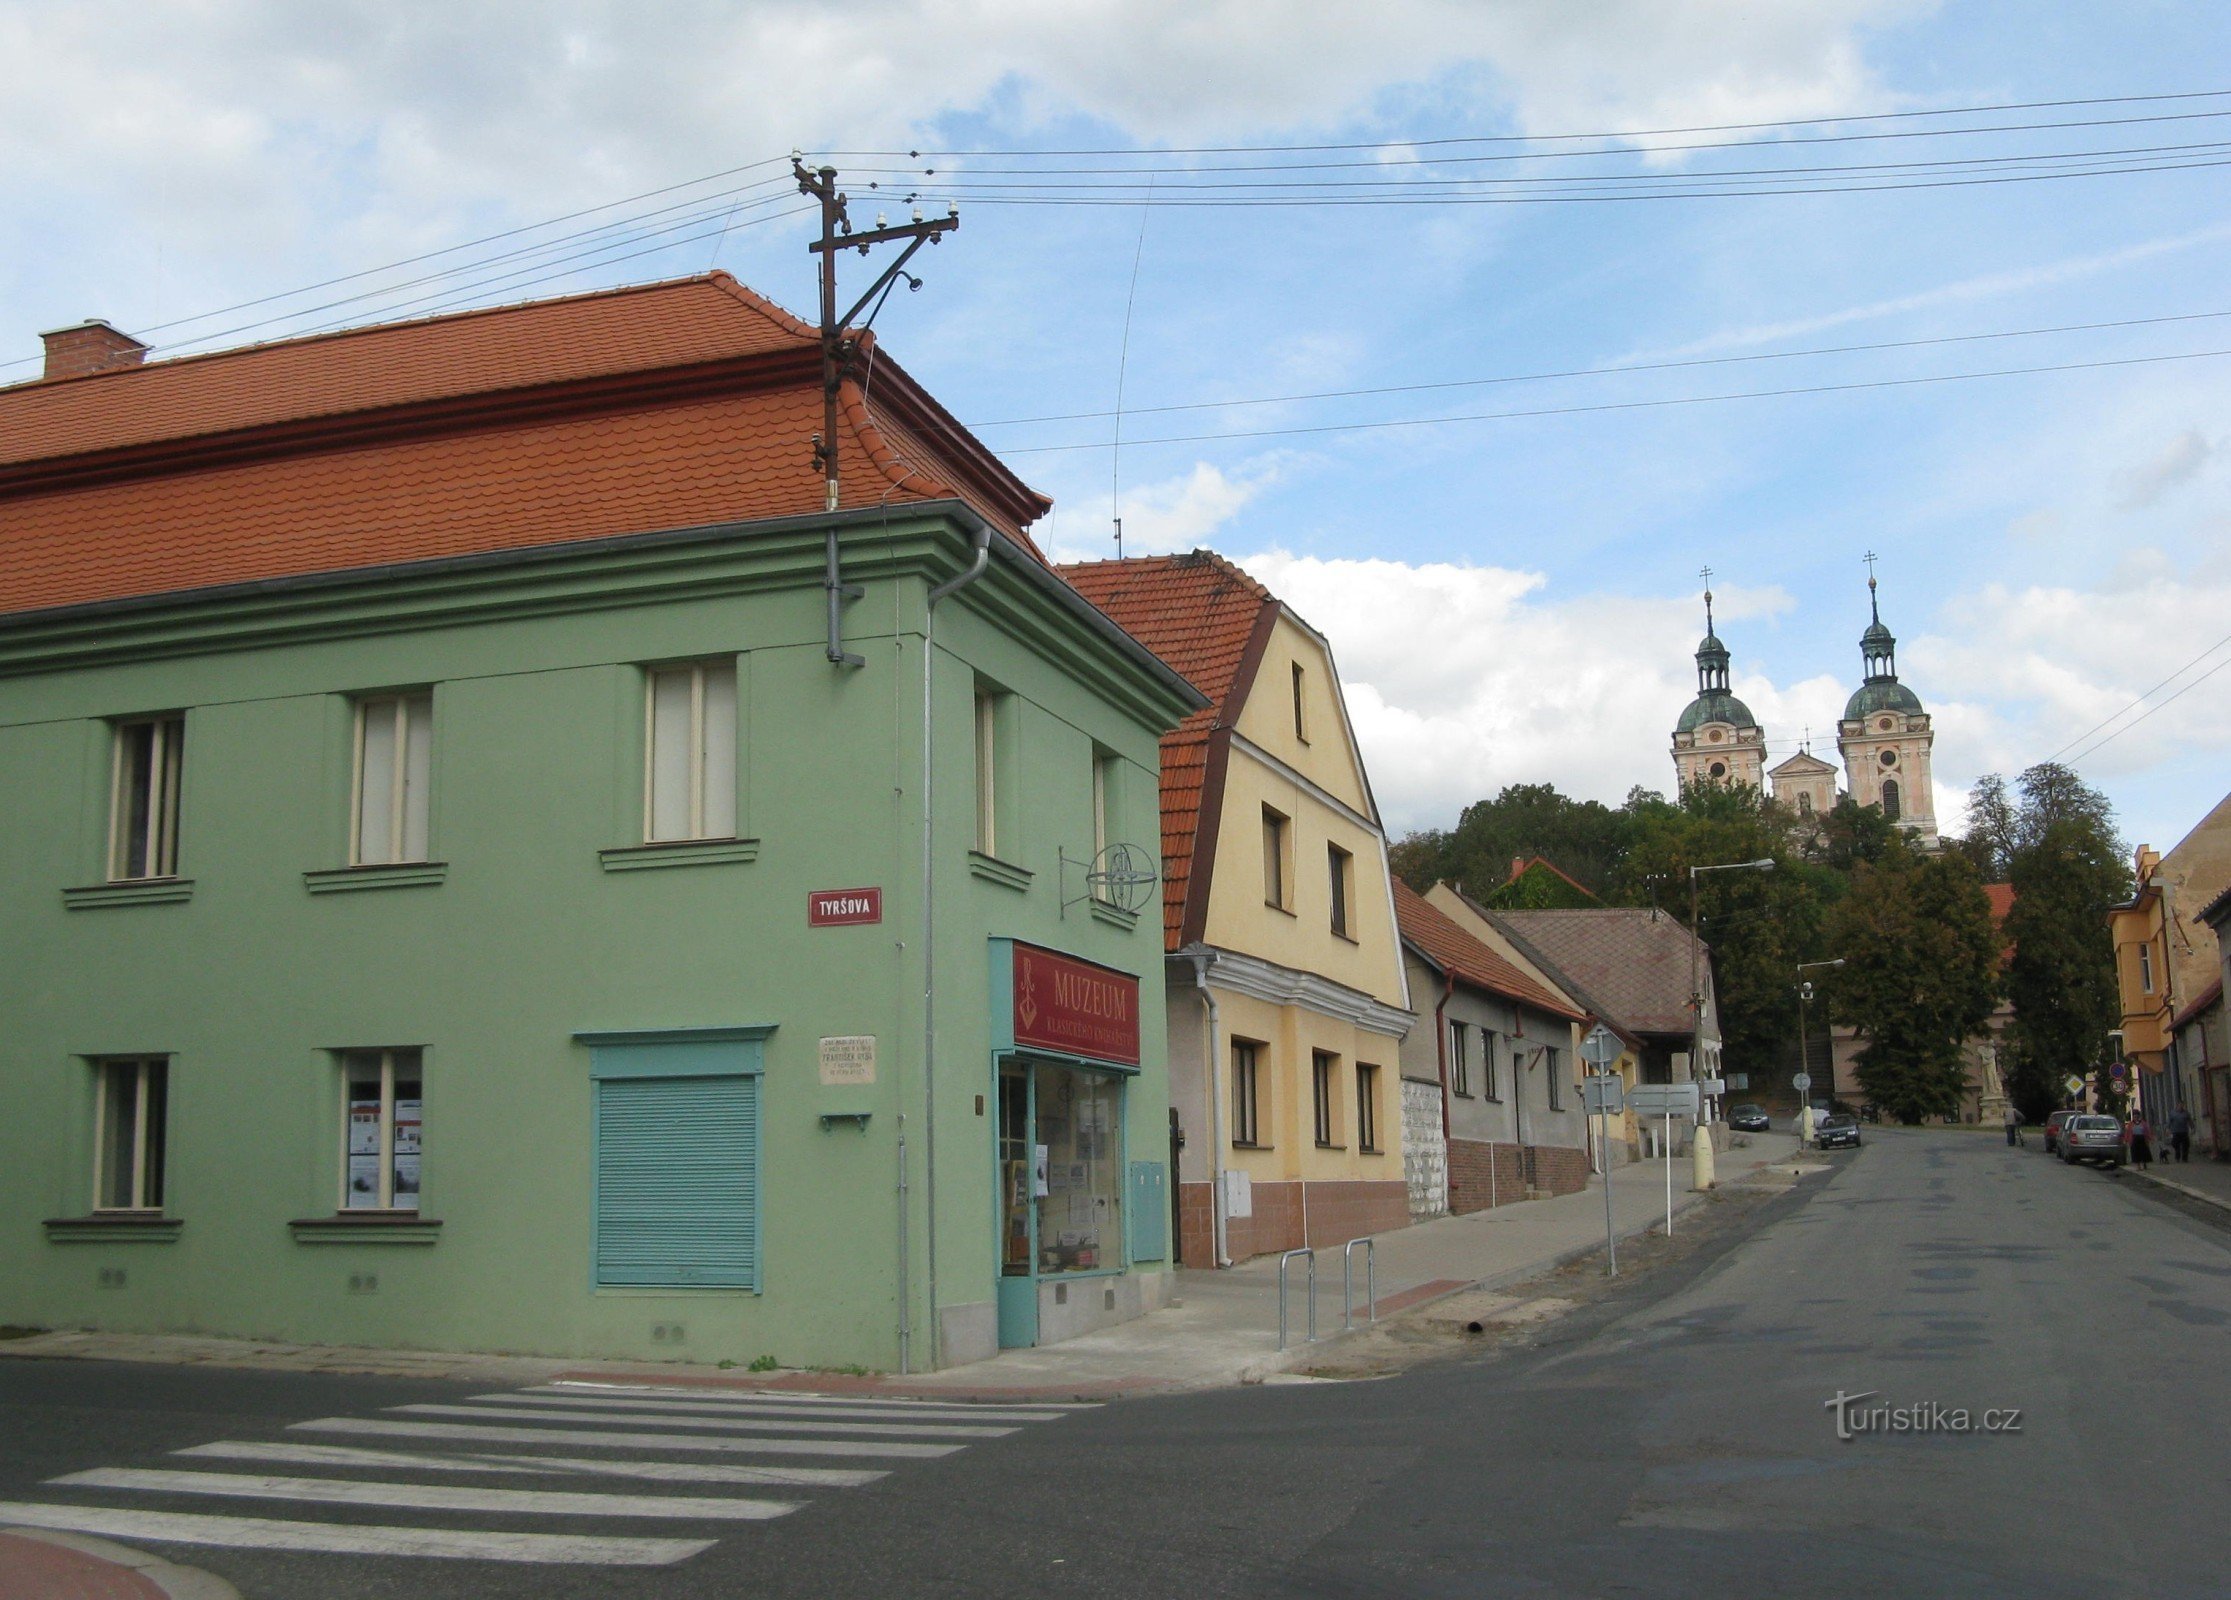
(1715, 705)
(1880, 694)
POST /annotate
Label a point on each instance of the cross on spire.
(1870, 558)
(1706, 575)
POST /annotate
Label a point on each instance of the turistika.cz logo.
(1854, 1417)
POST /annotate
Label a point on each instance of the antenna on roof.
(840, 346)
(1123, 363)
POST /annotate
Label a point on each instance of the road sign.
(1714, 1086)
(1602, 1094)
(1663, 1099)
(1801, 1081)
(1601, 1047)
(2073, 1084)
(2119, 1071)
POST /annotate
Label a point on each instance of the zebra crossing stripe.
(256, 1533)
(341, 1455)
(572, 1386)
(745, 1408)
(721, 1424)
(905, 1448)
(429, 1496)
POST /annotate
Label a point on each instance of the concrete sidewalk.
(38, 1564)
(1222, 1330)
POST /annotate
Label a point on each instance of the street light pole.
(1696, 954)
(1805, 1049)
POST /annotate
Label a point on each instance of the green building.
(492, 862)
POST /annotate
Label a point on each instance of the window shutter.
(677, 1182)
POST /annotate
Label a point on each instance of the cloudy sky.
(1513, 597)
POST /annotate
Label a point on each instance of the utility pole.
(840, 346)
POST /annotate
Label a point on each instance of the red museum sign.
(1075, 1007)
(839, 908)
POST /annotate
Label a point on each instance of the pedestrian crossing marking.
(341, 1455)
(722, 1405)
(905, 1448)
(577, 1386)
(898, 1430)
(257, 1533)
(641, 1435)
(429, 1496)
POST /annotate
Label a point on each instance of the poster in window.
(363, 1147)
(407, 1118)
(1038, 1172)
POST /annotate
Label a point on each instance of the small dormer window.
(1715, 735)
(1886, 724)
(1719, 769)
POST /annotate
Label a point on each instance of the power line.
(2093, 749)
(1632, 405)
(2141, 700)
(1590, 372)
(1629, 133)
(1573, 197)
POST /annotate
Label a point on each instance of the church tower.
(1717, 739)
(1884, 736)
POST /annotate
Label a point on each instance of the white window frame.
(695, 783)
(987, 770)
(141, 1067)
(401, 799)
(166, 782)
(351, 1061)
(2146, 968)
(1103, 789)
(1460, 1067)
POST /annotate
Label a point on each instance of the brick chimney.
(89, 347)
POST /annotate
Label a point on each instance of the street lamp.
(1696, 954)
(1804, 1046)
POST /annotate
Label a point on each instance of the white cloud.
(1462, 679)
(2177, 462)
(268, 129)
(1177, 513)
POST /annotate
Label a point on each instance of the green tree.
(1757, 924)
(1584, 837)
(1920, 977)
(2061, 980)
(1994, 824)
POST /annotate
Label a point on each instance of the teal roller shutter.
(677, 1182)
(1150, 1212)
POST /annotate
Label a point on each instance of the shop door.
(1018, 1286)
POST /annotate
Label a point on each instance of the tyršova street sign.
(1663, 1100)
(1603, 1095)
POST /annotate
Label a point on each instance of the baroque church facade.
(1884, 737)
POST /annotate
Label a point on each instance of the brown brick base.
(1338, 1212)
(1483, 1175)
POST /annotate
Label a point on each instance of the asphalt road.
(1672, 1440)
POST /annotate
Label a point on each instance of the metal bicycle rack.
(1301, 1250)
(1347, 1283)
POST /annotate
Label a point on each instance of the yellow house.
(2165, 955)
(1287, 999)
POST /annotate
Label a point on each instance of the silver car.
(2092, 1138)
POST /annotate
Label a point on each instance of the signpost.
(2073, 1084)
(1665, 1100)
(1601, 1092)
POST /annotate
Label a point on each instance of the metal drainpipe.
(1441, 1055)
(1202, 961)
(974, 570)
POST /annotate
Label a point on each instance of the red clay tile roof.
(669, 406)
(2001, 896)
(1200, 614)
(1450, 948)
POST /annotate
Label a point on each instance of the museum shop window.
(1061, 1168)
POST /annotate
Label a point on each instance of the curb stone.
(176, 1582)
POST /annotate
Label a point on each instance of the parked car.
(1749, 1119)
(2092, 1138)
(2053, 1125)
(1839, 1129)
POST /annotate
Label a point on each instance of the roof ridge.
(775, 314)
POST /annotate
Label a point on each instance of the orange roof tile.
(1445, 944)
(1202, 616)
(674, 406)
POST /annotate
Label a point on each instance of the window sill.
(1004, 873)
(370, 1227)
(1241, 1144)
(129, 892)
(115, 1227)
(1345, 937)
(386, 875)
(1272, 905)
(678, 853)
(1115, 916)
(1324, 1146)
